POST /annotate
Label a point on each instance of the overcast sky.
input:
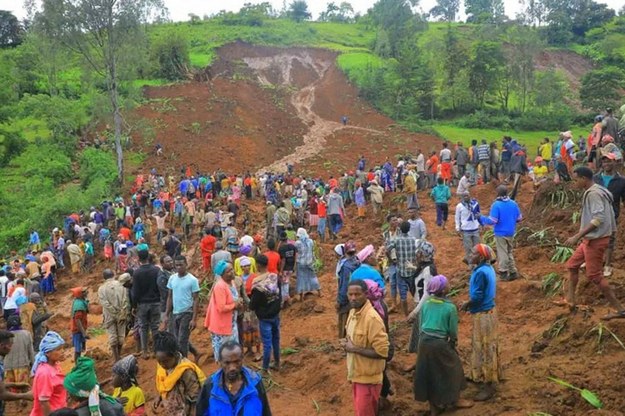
(179, 9)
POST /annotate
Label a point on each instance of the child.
(80, 309)
(127, 388)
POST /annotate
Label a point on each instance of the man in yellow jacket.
(367, 347)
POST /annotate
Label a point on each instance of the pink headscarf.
(437, 284)
(375, 295)
(365, 252)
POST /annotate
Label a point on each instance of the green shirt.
(440, 317)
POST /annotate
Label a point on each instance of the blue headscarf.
(50, 342)
(221, 268)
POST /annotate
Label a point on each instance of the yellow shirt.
(546, 151)
(135, 398)
(540, 171)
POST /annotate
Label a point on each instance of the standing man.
(420, 166)
(75, 256)
(462, 158)
(610, 124)
(417, 226)
(464, 184)
(405, 248)
(609, 178)
(441, 194)
(146, 299)
(270, 212)
(597, 225)
(504, 215)
(367, 347)
(35, 242)
(468, 224)
(207, 246)
(234, 388)
(335, 209)
(288, 254)
(167, 269)
(182, 303)
(377, 196)
(506, 155)
(347, 264)
(483, 156)
(410, 189)
(115, 304)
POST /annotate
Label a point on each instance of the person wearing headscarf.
(245, 252)
(307, 280)
(348, 262)
(247, 321)
(79, 324)
(48, 391)
(18, 361)
(82, 387)
(485, 365)
(178, 380)
(367, 269)
(223, 307)
(439, 377)
(127, 388)
(425, 270)
(266, 302)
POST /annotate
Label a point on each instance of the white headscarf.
(302, 234)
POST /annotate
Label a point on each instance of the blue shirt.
(504, 215)
(359, 197)
(482, 288)
(34, 237)
(344, 273)
(365, 272)
(182, 290)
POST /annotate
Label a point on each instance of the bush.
(11, 144)
(172, 57)
(97, 165)
(43, 161)
(484, 120)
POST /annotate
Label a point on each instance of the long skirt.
(307, 280)
(17, 375)
(438, 376)
(47, 284)
(485, 365)
(313, 220)
(413, 343)
(218, 340)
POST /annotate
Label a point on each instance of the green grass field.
(531, 139)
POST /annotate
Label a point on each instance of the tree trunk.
(117, 121)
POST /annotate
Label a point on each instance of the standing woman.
(306, 278)
(485, 365)
(438, 377)
(178, 380)
(425, 271)
(48, 391)
(18, 361)
(223, 308)
(47, 281)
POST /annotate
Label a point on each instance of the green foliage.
(446, 10)
(487, 62)
(552, 284)
(11, 144)
(11, 31)
(97, 164)
(484, 11)
(248, 15)
(343, 13)
(396, 19)
(172, 56)
(600, 88)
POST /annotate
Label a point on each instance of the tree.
(10, 30)
(397, 19)
(550, 89)
(342, 13)
(484, 11)
(534, 11)
(103, 32)
(298, 11)
(567, 18)
(446, 10)
(523, 46)
(172, 55)
(487, 62)
(455, 61)
(600, 88)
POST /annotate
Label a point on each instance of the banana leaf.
(587, 395)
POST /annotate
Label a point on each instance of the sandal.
(615, 315)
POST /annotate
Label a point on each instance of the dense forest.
(71, 71)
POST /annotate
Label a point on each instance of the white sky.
(179, 9)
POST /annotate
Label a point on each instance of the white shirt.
(463, 185)
(3, 286)
(464, 220)
(445, 155)
(10, 302)
(420, 163)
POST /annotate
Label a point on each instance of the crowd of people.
(251, 270)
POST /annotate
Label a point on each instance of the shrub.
(172, 56)
(97, 165)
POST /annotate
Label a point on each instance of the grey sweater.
(597, 209)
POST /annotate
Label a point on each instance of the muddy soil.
(265, 106)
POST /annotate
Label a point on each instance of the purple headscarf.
(437, 284)
(375, 294)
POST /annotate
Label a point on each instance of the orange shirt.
(333, 183)
(274, 261)
(433, 163)
(207, 245)
(321, 209)
(125, 231)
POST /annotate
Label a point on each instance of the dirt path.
(303, 100)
